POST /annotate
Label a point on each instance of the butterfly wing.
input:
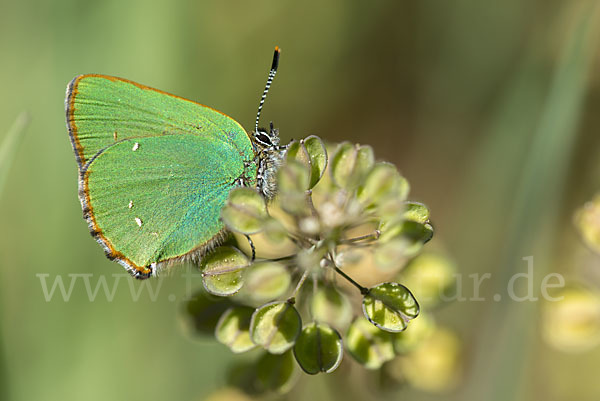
(153, 191)
(102, 110)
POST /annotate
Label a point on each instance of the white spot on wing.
(138, 221)
(135, 146)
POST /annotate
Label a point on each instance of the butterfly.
(155, 169)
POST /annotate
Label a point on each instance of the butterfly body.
(156, 169)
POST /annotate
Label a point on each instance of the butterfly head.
(264, 139)
(269, 157)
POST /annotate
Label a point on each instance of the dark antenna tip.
(276, 54)
(272, 73)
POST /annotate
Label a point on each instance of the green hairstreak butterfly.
(155, 169)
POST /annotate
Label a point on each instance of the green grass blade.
(504, 351)
(9, 147)
(8, 150)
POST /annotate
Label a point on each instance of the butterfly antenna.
(269, 81)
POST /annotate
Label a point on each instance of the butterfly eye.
(263, 138)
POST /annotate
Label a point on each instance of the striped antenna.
(269, 81)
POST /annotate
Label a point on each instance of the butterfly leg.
(251, 243)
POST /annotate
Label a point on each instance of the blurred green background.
(489, 108)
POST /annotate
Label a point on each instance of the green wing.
(155, 169)
(102, 110)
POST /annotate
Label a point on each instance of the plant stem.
(311, 204)
(363, 290)
(281, 259)
(292, 299)
(372, 237)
